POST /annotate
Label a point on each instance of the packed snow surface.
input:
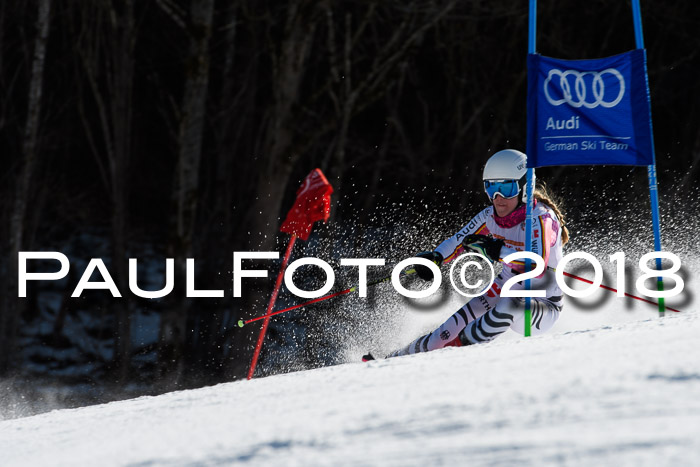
(620, 394)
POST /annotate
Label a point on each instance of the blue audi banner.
(589, 112)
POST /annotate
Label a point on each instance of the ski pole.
(242, 323)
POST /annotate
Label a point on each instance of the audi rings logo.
(584, 84)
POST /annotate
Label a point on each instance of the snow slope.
(623, 394)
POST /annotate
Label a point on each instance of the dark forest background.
(182, 128)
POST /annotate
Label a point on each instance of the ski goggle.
(506, 188)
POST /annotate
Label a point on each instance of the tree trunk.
(173, 325)
(18, 224)
(107, 53)
(289, 64)
(122, 95)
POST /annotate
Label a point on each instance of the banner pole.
(532, 28)
(651, 169)
(270, 306)
(637, 16)
(530, 185)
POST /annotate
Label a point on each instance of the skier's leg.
(544, 315)
(510, 313)
(447, 334)
(441, 337)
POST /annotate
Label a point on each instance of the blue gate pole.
(530, 185)
(653, 190)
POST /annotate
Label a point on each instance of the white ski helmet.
(507, 164)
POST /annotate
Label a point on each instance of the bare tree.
(350, 90)
(108, 38)
(359, 89)
(22, 196)
(198, 27)
(350, 70)
(289, 63)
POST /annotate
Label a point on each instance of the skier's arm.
(452, 247)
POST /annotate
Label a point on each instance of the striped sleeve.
(452, 247)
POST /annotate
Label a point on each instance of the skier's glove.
(424, 272)
(485, 245)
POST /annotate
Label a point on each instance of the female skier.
(496, 232)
